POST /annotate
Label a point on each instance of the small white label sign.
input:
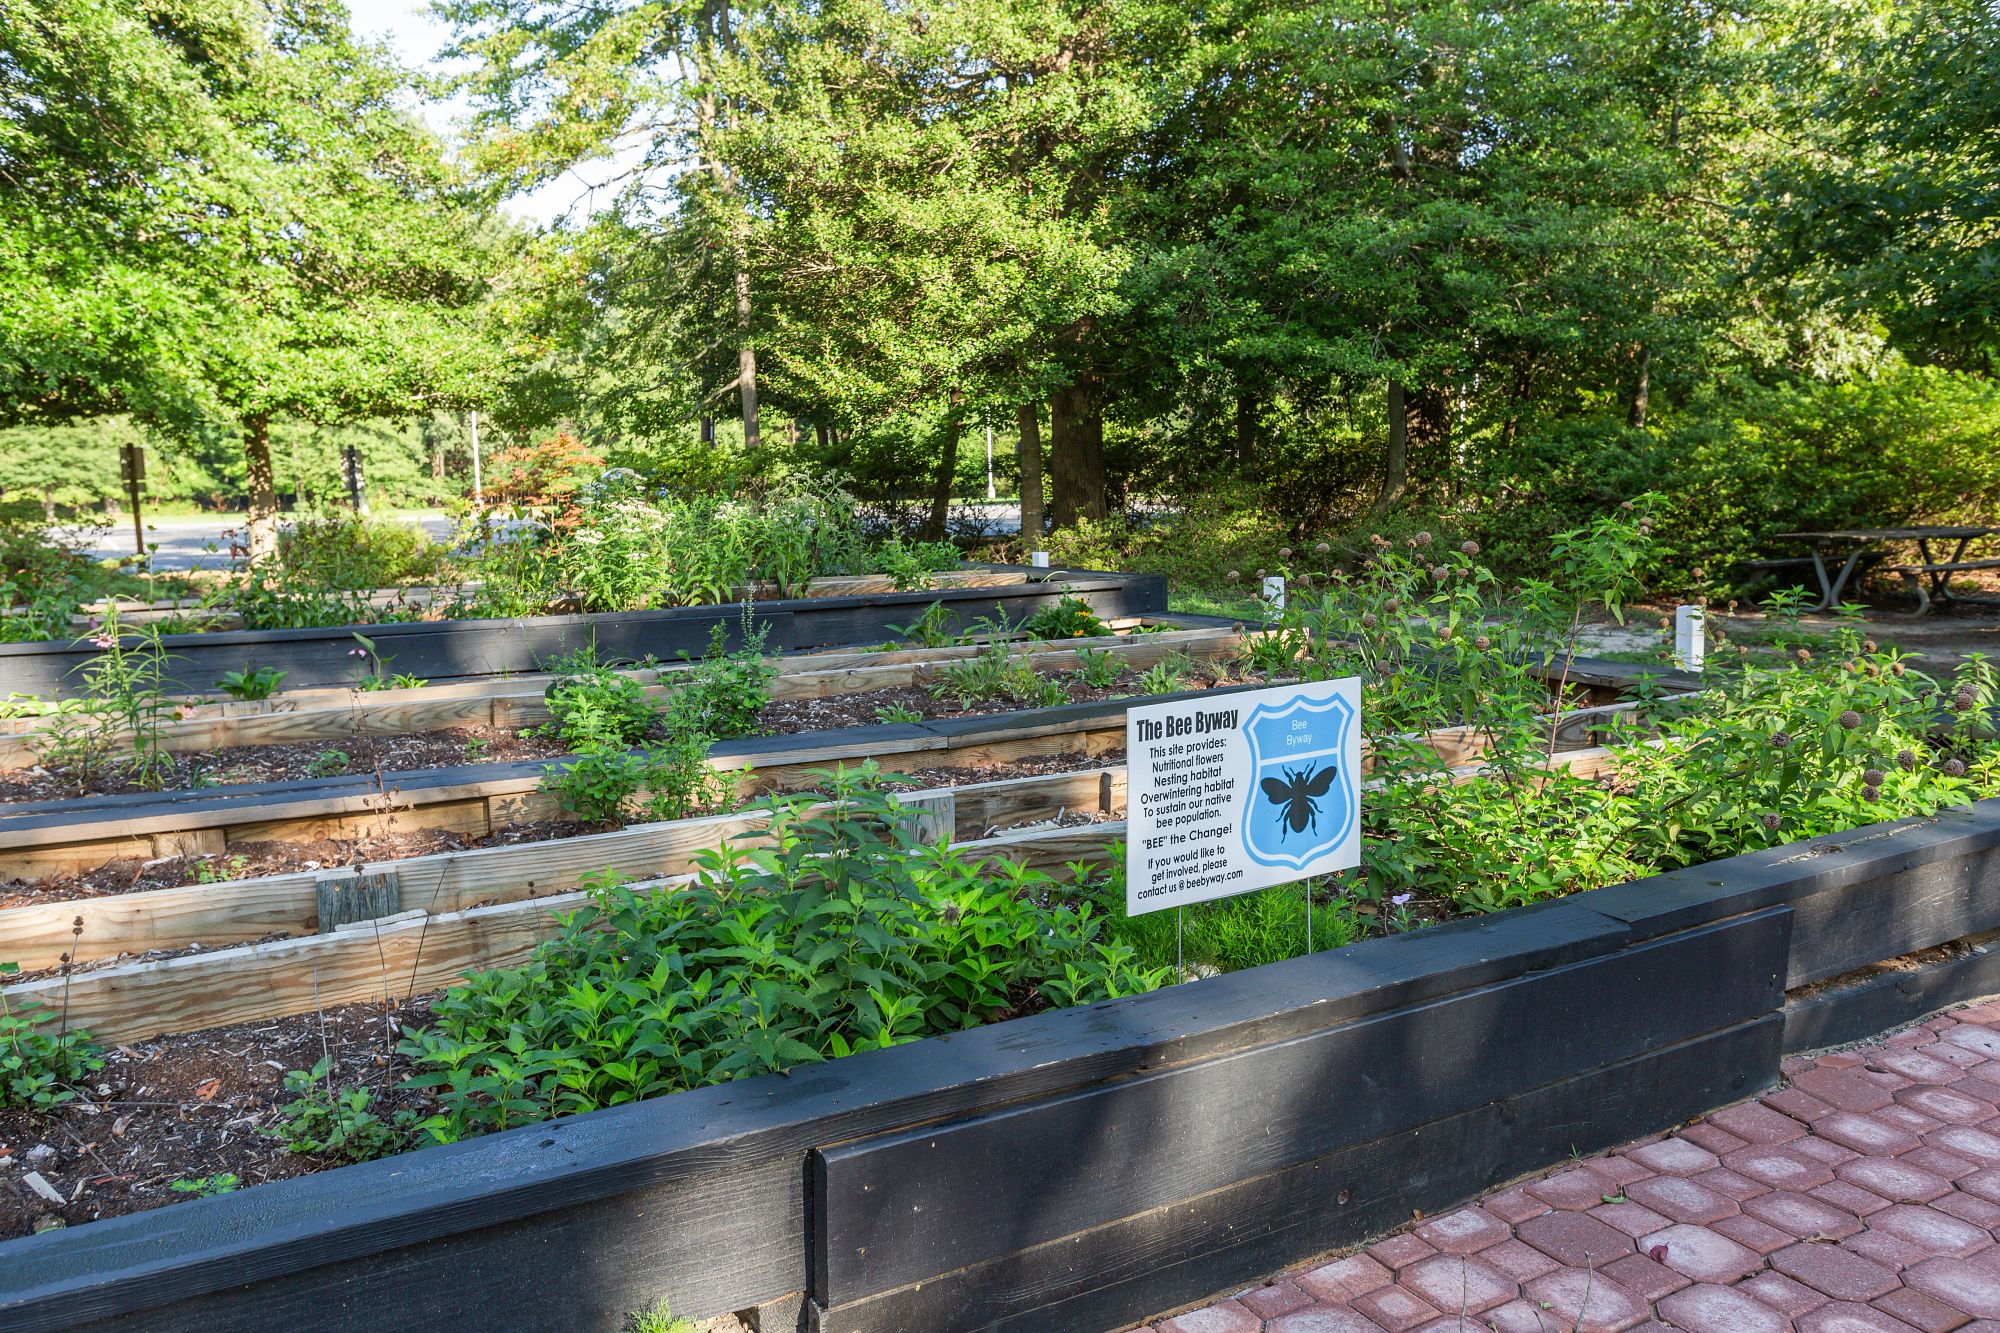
(1690, 638)
(1239, 791)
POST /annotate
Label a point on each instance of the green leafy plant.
(721, 695)
(659, 1319)
(596, 708)
(38, 1072)
(338, 1123)
(221, 869)
(1097, 670)
(843, 933)
(994, 673)
(252, 685)
(206, 1187)
(1070, 618)
(932, 629)
(1170, 674)
(912, 565)
(327, 763)
(898, 713)
(670, 779)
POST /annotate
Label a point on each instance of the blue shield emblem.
(1302, 800)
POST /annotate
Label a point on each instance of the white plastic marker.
(1039, 559)
(1274, 591)
(1690, 638)
(1234, 792)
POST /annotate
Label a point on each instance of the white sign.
(1690, 639)
(1274, 591)
(1239, 791)
(1038, 559)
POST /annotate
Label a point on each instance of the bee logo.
(1298, 796)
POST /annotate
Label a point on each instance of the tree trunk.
(1642, 390)
(263, 486)
(1396, 462)
(819, 438)
(1029, 450)
(1076, 453)
(1246, 433)
(746, 355)
(947, 471)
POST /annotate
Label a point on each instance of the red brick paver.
(1864, 1196)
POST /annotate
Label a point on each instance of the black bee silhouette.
(1299, 794)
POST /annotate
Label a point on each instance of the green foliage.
(327, 763)
(722, 694)
(255, 684)
(1167, 676)
(1070, 618)
(596, 708)
(911, 564)
(669, 779)
(1097, 670)
(336, 1123)
(932, 629)
(995, 673)
(844, 934)
(1229, 934)
(38, 1071)
(116, 726)
(659, 1319)
(206, 1187)
(898, 713)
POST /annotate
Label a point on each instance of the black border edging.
(442, 650)
(700, 1196)
(1848, 1013)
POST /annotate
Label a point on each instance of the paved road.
(1860, 1198)
(182, 543)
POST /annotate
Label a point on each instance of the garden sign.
(1238, 792)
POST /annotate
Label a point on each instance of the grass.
(1230, 934)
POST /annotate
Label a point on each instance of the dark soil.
(253, 764)
(186, 1108)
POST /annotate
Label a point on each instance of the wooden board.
(1115, 1275)
(236, 911)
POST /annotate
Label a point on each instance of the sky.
(407, 27)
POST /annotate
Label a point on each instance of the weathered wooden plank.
(241, 910)
(1180, 1132)
(1118, 1274)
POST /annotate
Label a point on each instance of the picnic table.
(1865, 547)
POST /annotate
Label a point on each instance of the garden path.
(1861, 1197)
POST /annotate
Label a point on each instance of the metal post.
(989, 460)
(1180, 965)
(478, 487)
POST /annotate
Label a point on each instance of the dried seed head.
(1696, 573)
(1263, 573)
(1871, 793)
(1482, 643)
(1393, 605)
(1444, 634)
(1423, 539)
(1964, 703)
(1626, 506)
(1284, 553)
(1954, 768)
(1804, 654)
(1469, 548)
(1850, 719)
(1232, 576)
(1665, 623)
(1896, 670)
(1323, 547)
(1368, 621)
(1780, 739)
(1772, 822)
(1906, 759)
(1869, 645)
(1873, 777)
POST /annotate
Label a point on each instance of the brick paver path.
(1862, 1198)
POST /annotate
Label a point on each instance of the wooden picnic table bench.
(1866, 546)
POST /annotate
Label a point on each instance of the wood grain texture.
(889, 1211)
(1136, 1267)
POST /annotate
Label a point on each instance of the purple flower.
(102, 640)
(1401, 900)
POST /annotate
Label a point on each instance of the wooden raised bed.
(517, 701)
(1075, 1169)
(455, 649)
(485, 907)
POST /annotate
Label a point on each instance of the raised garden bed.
(456, 649)
(1207, 1133)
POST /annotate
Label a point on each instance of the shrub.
(1069, 618)
(669, 780)
(723, 693)
(597, 708)
(845, 934)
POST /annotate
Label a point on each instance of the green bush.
(723, 693)
(670, 779)
(844, 935)
(597, 708)
(339, 1123)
